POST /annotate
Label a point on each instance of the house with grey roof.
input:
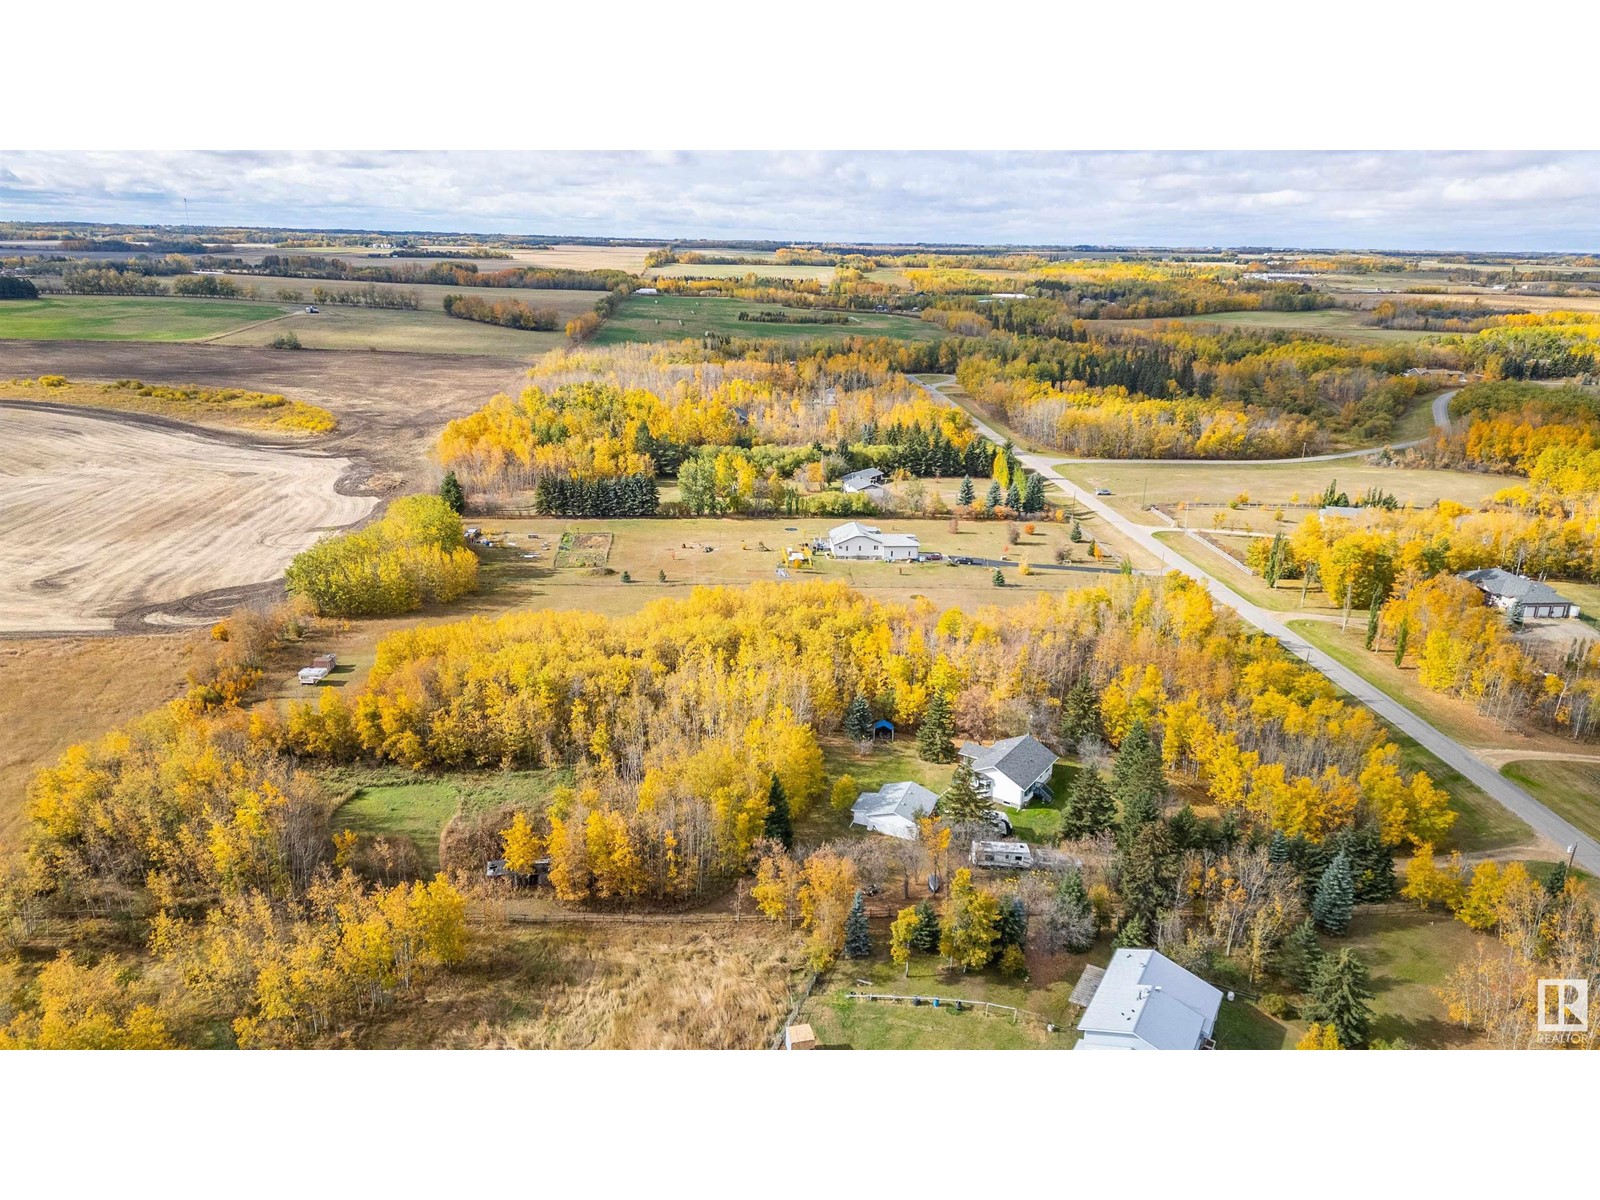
(855, 540)
(1504, 590)
(860, 481)
(893, 809)
(1013, 771)
(1145, 1001)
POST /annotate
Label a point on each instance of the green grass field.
(129, 318)
(1570, 789)
(419, 331)
(842, 1023)
(671, 318)
(568, 303)
(389, 802)
(1331, 322)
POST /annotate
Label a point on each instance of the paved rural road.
(1449, 751)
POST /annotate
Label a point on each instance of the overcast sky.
(1380, 200)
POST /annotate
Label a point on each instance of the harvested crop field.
(136, 522)
(390, 407)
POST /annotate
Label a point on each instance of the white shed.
(893, 809)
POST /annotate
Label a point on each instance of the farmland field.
(567, 302)
(337, 327)
(101, 516)
(670, 318)
(740, 270)
(1332, 322)
(1134, 484)
(130, 318)
(389, 409)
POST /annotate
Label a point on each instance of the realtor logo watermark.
(1563, 1006)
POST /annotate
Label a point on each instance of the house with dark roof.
(1011, 772)
(1505, 590)
(1145, 1001)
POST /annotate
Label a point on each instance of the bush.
(285, 341)
(1275, 1004)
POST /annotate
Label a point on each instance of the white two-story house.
(1011, 772)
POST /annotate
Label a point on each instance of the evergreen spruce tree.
(450, 491)
(1186, 829)
(1080, 714)
(998, 578)
(1371, 863)
(935, 742)
(1401, 636)
(1013, 925)
(1336, 896)
(1076, 532)
(1033, 494)
(1339, 996)
(1278, 848)
(993, 496)
(965, 496)
(1516, 617)
(1133, 934)
(1088, 809)
(858, 719)
(1556, 882)
(1372, 625)
(925, 938)
(961, 803)
(1146, 873)
(857, 938)
(1301, 955)
(780, 824)
(1137, 780)
(1013, 497)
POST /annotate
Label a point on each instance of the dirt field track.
(105, 516)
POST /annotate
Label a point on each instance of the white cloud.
(1443, 200)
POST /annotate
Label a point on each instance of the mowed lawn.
(671, 318)
(1569, 789)
(845, 1024)
(736, 551)
(130, 318)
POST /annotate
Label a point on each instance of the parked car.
(1102, 491)
(959, 560)
(311, 308)
(932, 556)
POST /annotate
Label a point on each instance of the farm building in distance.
(1011, 772)
(1148, 1002)
(893, 809)
(855, 540)
(1505, 590)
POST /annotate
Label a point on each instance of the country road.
(1552, 828)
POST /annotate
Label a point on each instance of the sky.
(1393, 200)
